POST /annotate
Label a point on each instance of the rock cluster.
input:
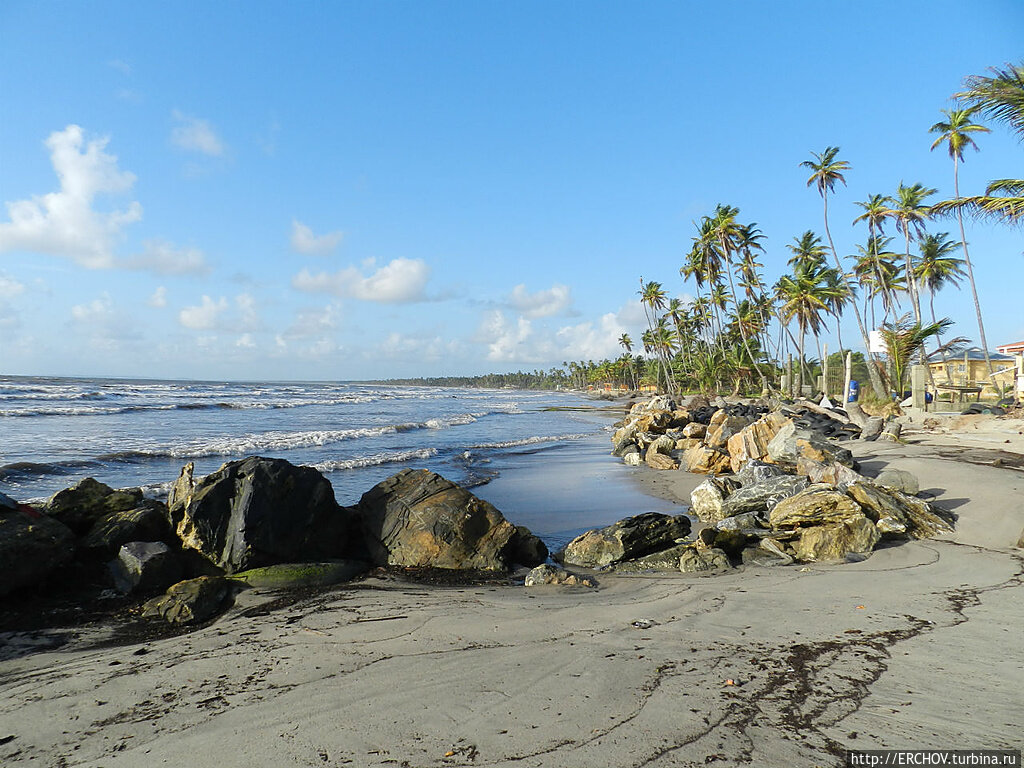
(257, 522)
(717, 439)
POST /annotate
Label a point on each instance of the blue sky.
(357, 190)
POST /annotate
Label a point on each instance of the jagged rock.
(707, 499)
(660, 460)
(291, 575)
(665, 560)
(752, 441)
(748, 523)
(693, 560)
(627, 539)
(835, 542)
(190, 601)
(680, 418)
(529, 549)
(890, 526)
(872, 428)
(830, 474)
(418, 518)
(920, 519)
(764, 495)
(706, 461)
(258, 511)
(791, 443)
(179, 495)
(145, 566)
(549, 574)
(81, 505)
(695, 430)
(818, 505)
(686, 443)
(654, 421)
(900, 480)
(662, 444)
(718, 435)
(756, 471)
(147, 522)
(776, 549)
(633, 458)
(32, 545)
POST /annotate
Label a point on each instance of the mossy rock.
(288, 575)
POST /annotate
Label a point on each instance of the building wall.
(971, 373)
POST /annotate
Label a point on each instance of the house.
(1017, 348)
(968, 369)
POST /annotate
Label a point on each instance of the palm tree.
(826, 170)
(626, 342)
(807, 251)
(803, 296)
(910, 213)
(999, 97)
(935, 268)
(955, 132)
(880, 276)
(904, 339)
(653, 297)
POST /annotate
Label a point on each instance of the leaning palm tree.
(955, 132)
(803, 296)
(936, 268)
(826, 170)
(653, 298)
(998, 97)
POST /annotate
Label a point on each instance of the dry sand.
(919, 646)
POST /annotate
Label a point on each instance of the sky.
(364, 190)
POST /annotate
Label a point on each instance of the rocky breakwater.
(781, 489)
(255, 522)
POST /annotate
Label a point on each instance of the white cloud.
(248, 316)
(510, 341)
(419, 348)
(399, 281)
(65, 223)
(585, 341)
(121, 66)
(203, 316)
(164, 258)
(552, 301)
(313, 322)
(245, 342)
(194, 134)
(304, 241)
(159, 297)
(9, 287)
(98, 311)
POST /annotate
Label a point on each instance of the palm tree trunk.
(876, 381)
(970, 277)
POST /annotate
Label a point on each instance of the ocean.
(541, 457)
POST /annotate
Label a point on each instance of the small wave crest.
(395, 457)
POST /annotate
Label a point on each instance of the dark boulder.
(147, 522)
(529, 549)
(764, 495)
(145, 567)
(81, 505)
(258, 511)
(628, 539)
(417, 518)
(32, 545)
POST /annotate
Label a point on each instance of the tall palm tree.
(910, 213)
(803, 297)
(999, 97)
(880, 276)
(807, 250)
(936, 267)
(826, 170)
(653, 298)
(956, 133)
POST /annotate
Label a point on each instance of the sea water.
(56, 431)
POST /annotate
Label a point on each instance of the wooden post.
(824, 370)
(846, 378)
(789, 367)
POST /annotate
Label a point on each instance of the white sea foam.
(394, 457)
(536, 440)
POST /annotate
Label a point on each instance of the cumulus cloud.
(97, 311)
(304, 241)
(203, 316)
(511, 341)
(245, 341)
(194, 134)
(164, 258)
(159, 297)
(400, 281)
(313, 322)
(65, 223)
(552, 301)
(589, 341)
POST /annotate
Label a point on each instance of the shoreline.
(915, 647)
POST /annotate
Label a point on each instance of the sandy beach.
(916, 647)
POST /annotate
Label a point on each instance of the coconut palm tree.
(880, 275)
(999, 97)
(807, 250)
(903, 340)
(910, 213)
(803, 296)
(935, 268)
(826, 170)
(956, 133)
